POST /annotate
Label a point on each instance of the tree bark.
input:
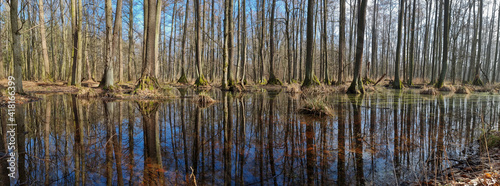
(397, 83)
(46, 65)
(200, 81)
(273, 80)
(356, 84)
(340, 79)
(16, 46)
(183, 78)
(148, 79)
(310, 79)
(131, 41)
(442, 75)
(108, 78)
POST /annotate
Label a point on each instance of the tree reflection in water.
(246, 139)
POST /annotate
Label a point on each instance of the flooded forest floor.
(481, 167)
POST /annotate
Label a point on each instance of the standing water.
(252, 139)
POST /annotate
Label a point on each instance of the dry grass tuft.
(203, 99)
(447, 88)
(85, 92)
(463, 90)
(293, 88)
(315, 107)
(429, 91)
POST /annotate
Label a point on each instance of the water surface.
(252, 139)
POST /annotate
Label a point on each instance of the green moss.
(263, 82)
(201, 81)
(311, 82)
(397, 85)
(274, 81)
(477, 81)
(356, 88)
(183, 79)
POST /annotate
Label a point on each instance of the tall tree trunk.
(325, 37)
(148, 79)
(16, 46)
(131, 41)
(230, 48)
(62, 59)
(200, 81)
(157, 38)
(494, 76)
(108, 77)
(412, 46)
(273, 80)
(183, 78)
(442, 75)
(356, 84)
(243, 42)
(46, 65)
(397, 83)
(477, 78)
(374, 39)
(340, 79)
(310, 79)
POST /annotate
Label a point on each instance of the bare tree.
(446, 33)
(397, 83)
(356, 84)
(16, 46)
(310, 79)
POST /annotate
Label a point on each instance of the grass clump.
(429, 91)
(84, 92)
(492, 139)
(203, 99)
(293, 88)
(315, 107)
(446, 88)
(463, 90)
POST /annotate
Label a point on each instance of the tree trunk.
(273, 80)
(183, 78)
(442, 75)
(325, 37)
(148, 79)
(477, 78)
(356, 84)
(374, 39)
(131, 41)
(397, 83)
(243, 42)
(108, 78)
(310, 79)
(412, 46)
(200, 81)
(46, 65)
(341, 43)
(16, 47)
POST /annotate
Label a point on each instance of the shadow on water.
(245, 139)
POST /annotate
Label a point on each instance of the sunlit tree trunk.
(200, 81)
(273, 80)
(310, 79)
(442, 75)
(16, 46)
(356, 84)
(148, 79)
(340, 79)
(46, 65)
(108, 78)
(397, 83)
(183, 78)
(131, 42)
